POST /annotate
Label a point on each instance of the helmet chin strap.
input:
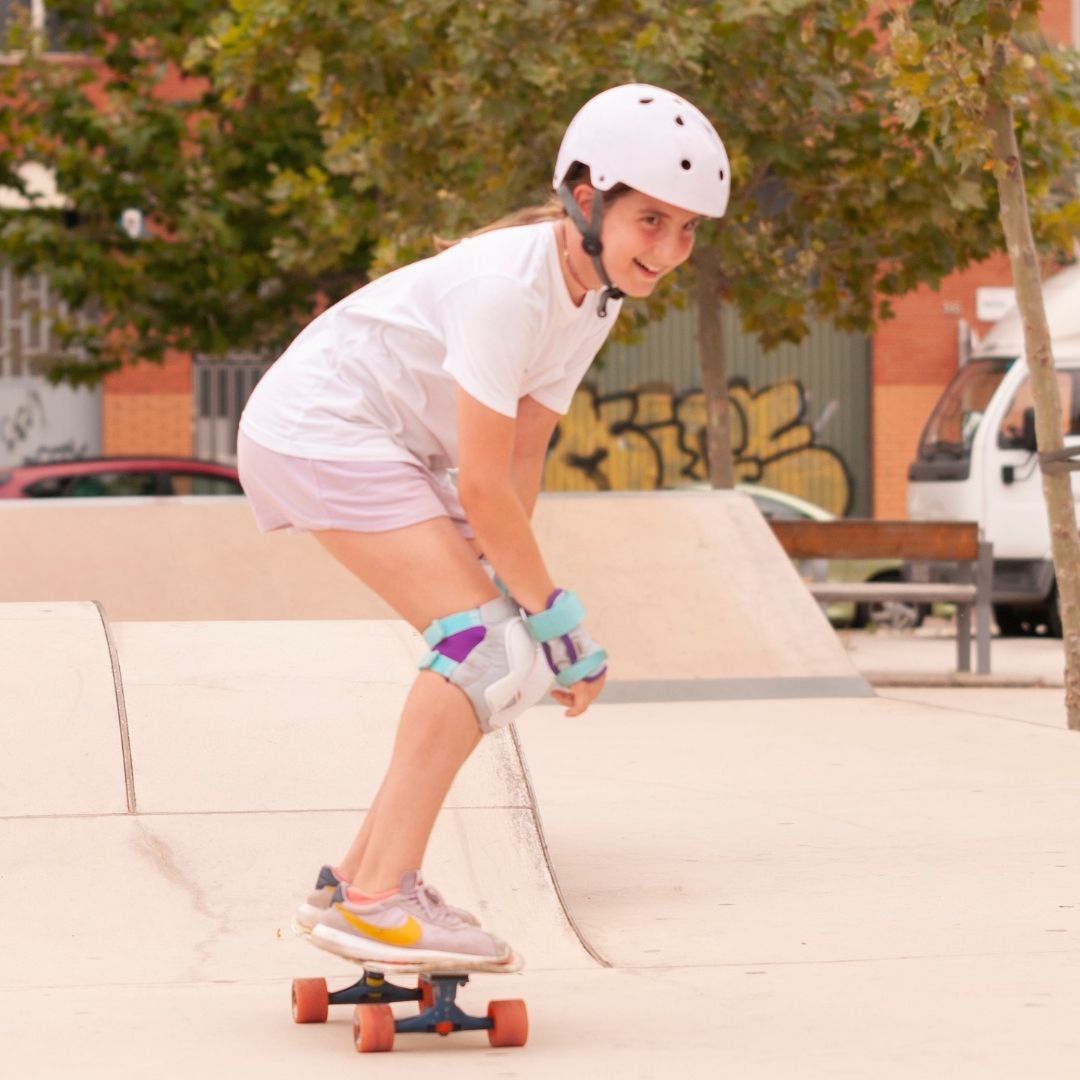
(590, 241)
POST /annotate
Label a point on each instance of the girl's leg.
(424, 572)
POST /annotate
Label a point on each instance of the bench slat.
(850, 538)
(871, 592)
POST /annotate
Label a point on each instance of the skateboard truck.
(374, 1024)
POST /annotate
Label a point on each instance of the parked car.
(113, 476)
(781, 506)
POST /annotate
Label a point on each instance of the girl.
(467, 360)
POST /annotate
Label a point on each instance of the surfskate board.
(374, 1024)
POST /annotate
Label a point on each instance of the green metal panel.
(801, 415)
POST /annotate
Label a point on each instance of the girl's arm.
(499, 472)
(532, 436)
(501, 461)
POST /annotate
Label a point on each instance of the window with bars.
(220, 392)
(56, 34)
(28, 308)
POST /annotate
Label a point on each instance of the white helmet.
(653, 141)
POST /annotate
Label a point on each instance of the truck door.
(1015, 509)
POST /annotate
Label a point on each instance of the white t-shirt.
(373, 378)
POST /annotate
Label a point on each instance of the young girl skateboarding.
(467, 360)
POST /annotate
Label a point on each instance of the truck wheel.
(1011, 622)
(1053, 615)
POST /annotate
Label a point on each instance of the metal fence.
(39, 421)
(221, 389)
(800, 415)
(27, 310)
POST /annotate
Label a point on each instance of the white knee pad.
(502, 669)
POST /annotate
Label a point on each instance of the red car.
(95, 477)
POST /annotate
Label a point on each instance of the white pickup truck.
(977, 458)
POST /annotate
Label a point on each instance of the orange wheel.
(510, 1025)
(427, 993)
(373, 1028)
(310, 1001)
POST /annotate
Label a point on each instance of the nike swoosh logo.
(408, 933)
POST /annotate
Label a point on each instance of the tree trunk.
(1057, 487)
(714, 379)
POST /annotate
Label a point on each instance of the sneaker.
(318, 903)
(415, 925)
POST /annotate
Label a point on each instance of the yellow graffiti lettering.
(650, 438)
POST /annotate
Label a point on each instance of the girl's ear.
(583, 196)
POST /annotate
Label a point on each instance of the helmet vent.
(686, 165)
(721, 174)
(680, 121)
(645, 101)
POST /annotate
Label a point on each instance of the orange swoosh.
(408, 933)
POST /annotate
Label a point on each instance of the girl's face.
(644, 239)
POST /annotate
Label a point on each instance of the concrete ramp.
(689, 591)
(255, 749)
(693, 597)
(61, 723)
(819, 889)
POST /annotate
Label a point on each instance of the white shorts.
(361, 496)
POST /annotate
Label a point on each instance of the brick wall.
(147, 408)
(914, 356)
(1057, 20)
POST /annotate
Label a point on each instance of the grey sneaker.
(318, 903)
(414, 926)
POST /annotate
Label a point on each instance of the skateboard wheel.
(373, 1028)
(509, 1023)
(310, 1001)
(427, 993)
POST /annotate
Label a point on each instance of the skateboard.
(374, 1023)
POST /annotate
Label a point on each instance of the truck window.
(951, 429)
(1012, 427)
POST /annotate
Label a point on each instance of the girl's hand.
(579, 696)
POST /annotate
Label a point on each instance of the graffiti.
(651, 438)
(65, 451)
(16, 427)
(24, 426)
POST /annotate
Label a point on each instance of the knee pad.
(490, 654)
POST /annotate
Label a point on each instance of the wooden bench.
(919, 542)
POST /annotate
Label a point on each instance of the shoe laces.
(438, 910)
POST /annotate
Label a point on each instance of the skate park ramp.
(176, 776)
(688, 591)
(762, 888)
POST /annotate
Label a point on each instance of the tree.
(972, 79)
(226, 259)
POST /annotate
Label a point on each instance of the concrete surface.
(763, 888)
(927, 657)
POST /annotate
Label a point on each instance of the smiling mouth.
(646, 269)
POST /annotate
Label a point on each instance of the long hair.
(552, 210)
